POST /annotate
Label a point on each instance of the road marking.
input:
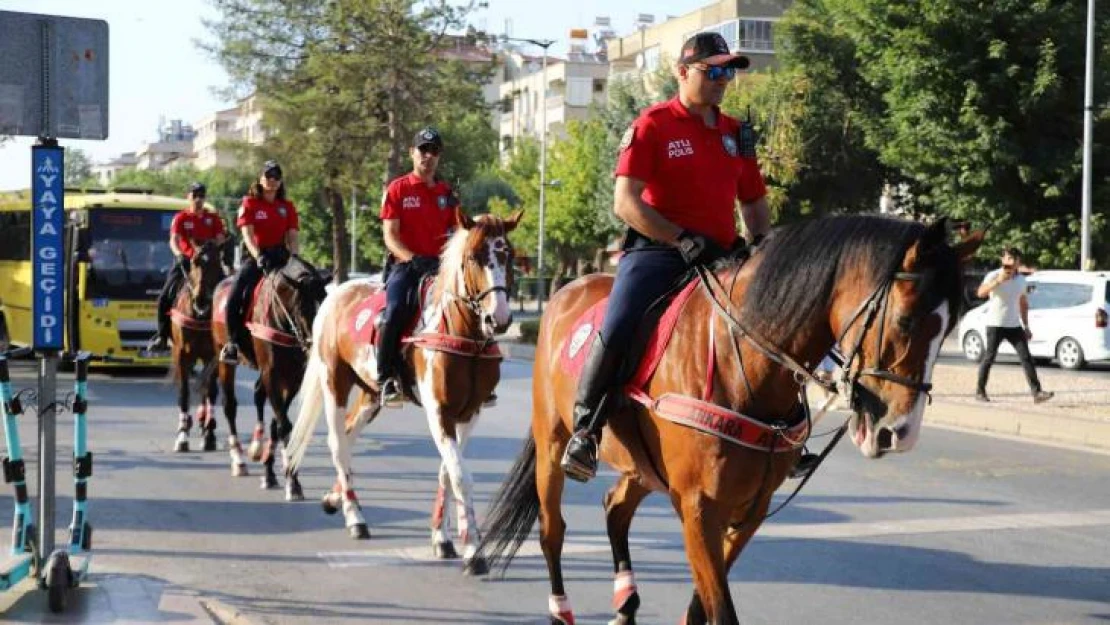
(810, 531)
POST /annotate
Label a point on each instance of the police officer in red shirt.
(269, 225)
(418, 214)
(683, 164)
(190, 229)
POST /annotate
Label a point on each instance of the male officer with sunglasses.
(418, 213)
(683, 164)
(189, 229)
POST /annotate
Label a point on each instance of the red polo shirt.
(425, 211)
(694, 173)
(197, 227)
(271, 220)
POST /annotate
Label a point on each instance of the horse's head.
(205, 273)
(301, 289)
(890, 329)
(476, 269)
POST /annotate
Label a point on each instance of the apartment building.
(747, 25)
(572, 85)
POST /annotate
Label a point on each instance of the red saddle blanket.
(364, 322)
(573, 356)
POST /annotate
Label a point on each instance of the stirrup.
(574, 465)
(158, 343)
(390, 393)
(230, 354)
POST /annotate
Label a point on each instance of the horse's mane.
(451, 259)
(802, 262)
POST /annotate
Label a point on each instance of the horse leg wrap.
(559, 607)
(625, 599)
(184, 422)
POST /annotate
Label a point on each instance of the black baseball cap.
(427, 136)
(711, 49)
(271, 169)
(198, 188)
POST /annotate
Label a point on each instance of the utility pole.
(1088, 122)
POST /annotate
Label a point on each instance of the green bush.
(529, 331)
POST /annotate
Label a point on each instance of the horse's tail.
(312, 404)
(513, 512)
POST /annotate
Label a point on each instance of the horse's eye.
(906, 323)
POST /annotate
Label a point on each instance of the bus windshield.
(128, 253)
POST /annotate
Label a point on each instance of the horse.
(280, 319)
(191, 335)
(720, 421)
(453, 363)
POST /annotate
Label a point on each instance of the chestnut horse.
(191, 335)
(453, 361)
(885, 292)
(280, 323)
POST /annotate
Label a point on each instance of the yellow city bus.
(117, 256)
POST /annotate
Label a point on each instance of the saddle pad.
(364, 322)
(573, 356)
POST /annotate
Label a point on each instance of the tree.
(78, 169)
(343, 104)
(977, 107)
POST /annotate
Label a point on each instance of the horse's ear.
(513, 220)
(933, 237)
(463, 220)
(965, 250)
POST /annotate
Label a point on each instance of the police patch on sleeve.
(626, 140)
(729, 142)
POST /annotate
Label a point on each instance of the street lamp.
(545, 44)
(1088, 113)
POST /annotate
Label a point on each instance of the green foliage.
(529, 331)
(78, 169)
(973, 108)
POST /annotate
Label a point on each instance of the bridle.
(471, 302)
(875, 305)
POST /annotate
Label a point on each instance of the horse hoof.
(269, 482)
(294, 493)
(359, 531)
(181, 446)
(210, 442)
(476, 566)
(445, 550)
(329, 507)
(239, 470)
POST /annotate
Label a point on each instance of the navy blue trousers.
(643, 276)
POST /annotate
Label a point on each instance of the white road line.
(995, 522)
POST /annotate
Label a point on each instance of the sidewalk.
(1079, 414)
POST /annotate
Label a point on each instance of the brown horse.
(192, 343)
(280, 323)
(885, 292)
(453, 362)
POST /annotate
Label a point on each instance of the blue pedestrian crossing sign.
(48, 251)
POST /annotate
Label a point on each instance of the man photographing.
(1008, 318)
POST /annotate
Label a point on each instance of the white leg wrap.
(624, 586)
(352, 513)
(559, 607)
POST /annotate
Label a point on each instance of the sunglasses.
(429, 148)
(272, 175)
(716, 72)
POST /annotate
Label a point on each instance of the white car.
(1067, 314)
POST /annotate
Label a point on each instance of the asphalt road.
(966, 529)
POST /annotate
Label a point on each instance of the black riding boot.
(389, 338)
(598, 377)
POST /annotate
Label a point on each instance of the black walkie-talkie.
(746, 137)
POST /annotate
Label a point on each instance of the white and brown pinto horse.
(451, 359)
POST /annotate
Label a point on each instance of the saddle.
(366, 321)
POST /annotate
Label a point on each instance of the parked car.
(1067, 314)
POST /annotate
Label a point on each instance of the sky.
(157, 71)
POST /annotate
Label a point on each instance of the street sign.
(48, 252)
(54, 77)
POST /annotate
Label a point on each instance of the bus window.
(15, 235)
(128, 253)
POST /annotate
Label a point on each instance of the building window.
(757, 35)
(599, 85)
(507, 142)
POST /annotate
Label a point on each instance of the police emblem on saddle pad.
(692, 412)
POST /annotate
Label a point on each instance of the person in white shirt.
(1008, 319)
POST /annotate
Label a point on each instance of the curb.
(1086, 434)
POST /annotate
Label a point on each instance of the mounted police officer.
(418, 213)
(190, 229)
(683, 164)
(269, 224)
